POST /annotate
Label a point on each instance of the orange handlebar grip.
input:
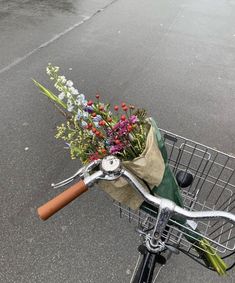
(51, 207)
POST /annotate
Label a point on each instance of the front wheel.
(144, 273)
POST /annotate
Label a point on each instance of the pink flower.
(120, 125)
(133, 119)
(114, 149)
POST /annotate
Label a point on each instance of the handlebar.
(110, 169)
(57, 203)
(51, 207)
(175, 209)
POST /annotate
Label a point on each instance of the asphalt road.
(174, 58)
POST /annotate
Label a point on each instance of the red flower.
(117, 141)
(123, 117)
(101, 108)
(123, 104)
(93, 130)
(102, 123)
(129, 128)
(93, 114)
(89, 126)
(103, 150)
(93, 157)
(90, 102)
(110, 119)
(97, 133)
(125, 108)
(116, 108)
(97, 96)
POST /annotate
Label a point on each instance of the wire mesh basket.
(213, 188)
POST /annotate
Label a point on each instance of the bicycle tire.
(145, 271)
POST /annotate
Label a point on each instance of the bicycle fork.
(154, 245)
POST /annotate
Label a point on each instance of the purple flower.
(114, 149)
(123, 131)
(120, 125)
(133, 119)
(89, 109)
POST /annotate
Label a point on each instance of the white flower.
(48, 71)
(65, 88)
(97, 124)
(61, 95)
(71, 89)
(78, 101)
(84, 103)
(62, 79)
(70, 108)
(81, 100)
(84, 124)
(74, 91)
(82, 96)
(69, 95)
(70, 105)
(69, 83)
(79, 114)
(85, 115)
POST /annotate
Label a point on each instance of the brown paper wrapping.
(149, 166)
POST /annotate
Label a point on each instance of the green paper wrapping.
(169, 189)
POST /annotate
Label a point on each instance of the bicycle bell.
(111, 165)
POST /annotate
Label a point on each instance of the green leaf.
(50, 94)
(213, 258)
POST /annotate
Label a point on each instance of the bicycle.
(206, 178)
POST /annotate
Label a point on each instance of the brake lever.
(82, 173)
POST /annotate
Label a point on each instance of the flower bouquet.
(94, 129)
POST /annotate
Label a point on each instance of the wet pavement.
(25, 25)
(175, 59)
